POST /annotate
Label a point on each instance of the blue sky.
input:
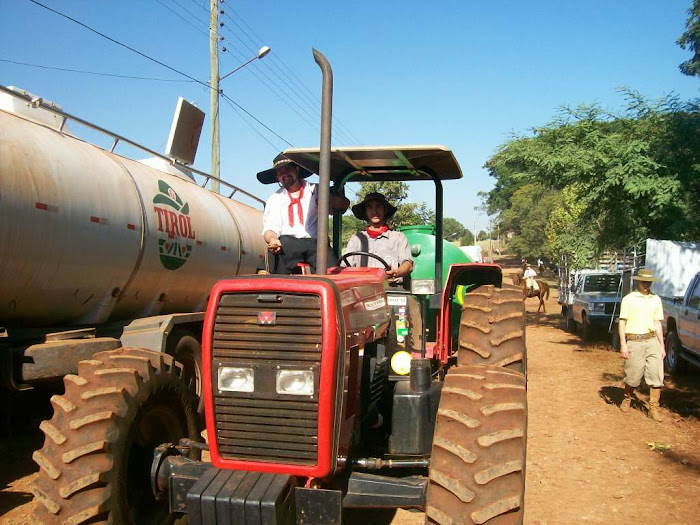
(465, 74)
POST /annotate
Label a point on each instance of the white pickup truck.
(589, 299)
(682, 328)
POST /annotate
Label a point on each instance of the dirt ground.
(587, 462)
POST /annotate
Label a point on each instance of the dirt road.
(587, 461)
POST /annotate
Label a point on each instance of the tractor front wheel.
(97, 454)
(477, 466)
(492, 328)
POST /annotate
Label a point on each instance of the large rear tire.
(492, 328)
(97, 454)
(477, 466)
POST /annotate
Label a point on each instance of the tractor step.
(373, 491)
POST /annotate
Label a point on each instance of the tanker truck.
(98, 251)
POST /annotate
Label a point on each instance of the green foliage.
(591, 180)
(452, 229)
(467, 239)
(527, 215)
(396, 192)
(691, 40)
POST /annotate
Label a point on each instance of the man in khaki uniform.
(642, 342)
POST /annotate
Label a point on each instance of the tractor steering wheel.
(344, 259)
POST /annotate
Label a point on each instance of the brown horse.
(517, 279)
(541, 294)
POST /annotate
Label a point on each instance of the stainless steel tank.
(87, 236)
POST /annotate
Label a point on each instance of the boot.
(627, 400)
(654, 410)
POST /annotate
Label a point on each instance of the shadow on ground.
(680, 395)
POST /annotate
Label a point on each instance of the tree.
(467, 239)
(609, 179)
(691, 40)
(452, 229)
(396, 192)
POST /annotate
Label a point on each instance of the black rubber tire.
(586, 330)
(674, 363)
(98, 448)
(492, 328)
(187, 350)
(477, 466)
(616, 339)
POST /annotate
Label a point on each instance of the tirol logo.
(173, 219)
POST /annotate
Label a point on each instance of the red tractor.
(314, 409)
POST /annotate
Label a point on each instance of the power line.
(92, 72)
(256, 119)
(315, 104)
(120, 44)
(280, 92)
(229, 99)
(182, 18)
(205, 22)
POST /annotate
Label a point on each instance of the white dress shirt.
(276, 214)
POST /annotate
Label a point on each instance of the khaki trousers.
(644, 361)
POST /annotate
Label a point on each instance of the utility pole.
(214, 66)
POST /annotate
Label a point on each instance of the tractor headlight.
(236, 379)
(401, 362)
(295, 382)
(423, 287)
(597, 307)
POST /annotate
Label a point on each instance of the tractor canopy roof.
(382, 163)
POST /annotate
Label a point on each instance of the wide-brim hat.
(359, 210)
(270, 176)
(645, 275)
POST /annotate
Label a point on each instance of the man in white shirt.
(529, 277)
(290, 219)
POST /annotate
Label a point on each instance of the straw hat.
(645, 275)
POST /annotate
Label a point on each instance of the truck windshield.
(601, 283)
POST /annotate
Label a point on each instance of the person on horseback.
(529, 277)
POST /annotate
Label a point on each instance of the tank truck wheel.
(187, 350)
(492, 328)
(98, 447)
(477, 466)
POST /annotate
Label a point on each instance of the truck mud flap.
(228, 497)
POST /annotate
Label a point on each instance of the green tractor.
(315, 410)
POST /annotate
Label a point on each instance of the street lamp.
(261, 53)
(214, 99)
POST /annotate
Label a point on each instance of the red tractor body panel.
(460, 274)
(354, 312)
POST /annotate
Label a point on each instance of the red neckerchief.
(376, 233)
(297, 201)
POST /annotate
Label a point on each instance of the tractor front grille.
(263, 425)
